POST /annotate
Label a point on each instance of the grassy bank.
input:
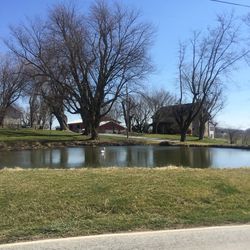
(10, 135)
(17, 139)
(57, 203)
(31, 135)
(190, 139)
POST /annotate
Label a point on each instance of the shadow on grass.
(35, 134)
(14, 133)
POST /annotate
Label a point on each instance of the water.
(126, 156)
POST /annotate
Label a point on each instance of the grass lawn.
(190, 139)
(13, 135)
(38, 135)
(23, 135)
(37, 204)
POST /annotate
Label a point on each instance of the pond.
(126, 156)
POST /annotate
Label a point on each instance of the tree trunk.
(1, 119)
(183, 135)
(93, 129)
(86, 124)
(2, 116)
(94, 124)
(94, 133)
(201, 130)
(50, 122)
(86, 130)
(62, 120)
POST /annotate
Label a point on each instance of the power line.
(237, 4)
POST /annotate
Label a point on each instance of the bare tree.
(233, 135)
(128, 108)
(155, 101)
(213, 104)
(54, 100)
(90, 57)
(202, 65)
(25, 119)
(38, 114)
(142, 106)
(158, 98)
(12, 82)
(245, 140)
(142, 115)
(116, 112)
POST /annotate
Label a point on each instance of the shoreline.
(33, 145)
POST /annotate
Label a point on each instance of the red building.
(107, 125)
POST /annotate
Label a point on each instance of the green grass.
(37, 204)
(38, 135)
(31, 135)
(190, 139)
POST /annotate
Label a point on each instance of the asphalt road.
(226, 237)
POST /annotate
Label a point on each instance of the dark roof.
(167, 113)
(173, 107)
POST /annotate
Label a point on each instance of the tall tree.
(142, 116)
(203, 62)
(54, 99)
(156, 100)
(12, 82)
(213, 104)
(90, 57)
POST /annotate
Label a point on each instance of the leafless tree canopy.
(12, 82)
(90, 57)
(212, 105)
(203, 63)
(138, 109)
(158, 99)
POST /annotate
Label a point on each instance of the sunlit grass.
(190, 139)
(38, 135)
(31, 135)
(58, 203)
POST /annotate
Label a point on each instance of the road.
(226, 237)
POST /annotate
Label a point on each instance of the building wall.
(10, 122)
(109, 127)
(13, 118)
(76, 127)
(165, 123)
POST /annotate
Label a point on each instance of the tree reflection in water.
(126, 156)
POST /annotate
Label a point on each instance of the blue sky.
(174, 21)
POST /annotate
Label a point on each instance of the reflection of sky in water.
(55, 156)
(114, 156)
(15, 158)
(230, 158)
(127, 156)
(123, 156)
(76, 157)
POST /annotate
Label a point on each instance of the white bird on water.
(103, 151)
